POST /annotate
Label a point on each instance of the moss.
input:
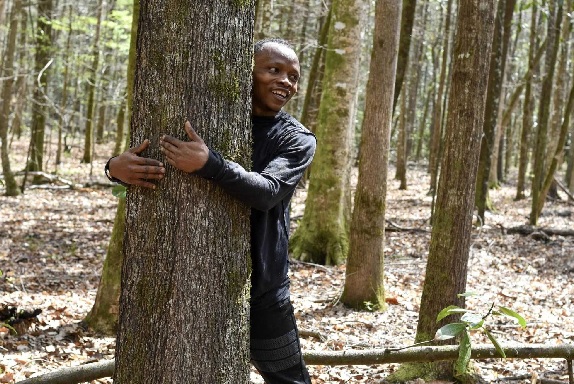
(411, 371)
(243, 3)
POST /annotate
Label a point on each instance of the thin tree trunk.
(92, 79)
(436, 135)
(527, 111)
(407, 22)
(553, 36)
(41, 63)
(8, 74)
(364, 273)
(65, 81)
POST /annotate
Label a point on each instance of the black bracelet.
(107, 172)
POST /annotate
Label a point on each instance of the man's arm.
(260, 190)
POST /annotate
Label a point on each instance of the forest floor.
(53, 243)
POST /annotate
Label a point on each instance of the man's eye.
(294, 78)
(273, 70)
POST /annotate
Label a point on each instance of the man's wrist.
(108, 174)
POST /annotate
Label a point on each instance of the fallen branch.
(394, 227)
(528, 229)
(93, 371)
(564, 189)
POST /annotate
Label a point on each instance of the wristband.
(110, 177)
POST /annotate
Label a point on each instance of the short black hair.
(259, 45)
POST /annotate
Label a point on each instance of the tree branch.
(93, 371)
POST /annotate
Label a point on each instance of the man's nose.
(284, 80)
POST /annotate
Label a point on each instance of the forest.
(431, 240)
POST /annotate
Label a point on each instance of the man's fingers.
(191, 133)
(140, 148)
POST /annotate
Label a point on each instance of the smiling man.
(282, 151)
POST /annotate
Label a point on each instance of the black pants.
(275, 348)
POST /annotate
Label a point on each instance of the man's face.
(275, 78)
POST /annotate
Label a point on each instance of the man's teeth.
(280, 93)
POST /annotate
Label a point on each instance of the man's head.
(276, 75)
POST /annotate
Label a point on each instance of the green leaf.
(449, 311)
(449, 331)
(495, 342)
(464, 353)
(119, 191)
(510, 313)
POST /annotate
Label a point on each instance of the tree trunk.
(401, 168)
(263, 19)
(185, 280)
(553, 37)
(20, 88)
(65, 81)
(41, 60)
(436, 134)
(92, 78)
(450, 240)
(364, 273)
(495, 78)
(407, 22)
(322, 236)
(527, 111)
(103, 316)
(8, 74)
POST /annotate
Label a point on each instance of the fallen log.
(93, 371)
(528, 230)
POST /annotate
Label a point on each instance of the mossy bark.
(103, 317)
(185, 276)
(322, 236)
(365, 264)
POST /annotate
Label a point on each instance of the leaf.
(451, 309)
(510, 313)
(449, 331)
(464, 353)
(467, 294)
(495, 342)
(119, 191)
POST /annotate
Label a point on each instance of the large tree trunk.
(322, 236)
(450, 240)
(8, 73)
(364, 274)
(185, 280)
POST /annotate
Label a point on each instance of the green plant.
(119, 191)
(471, 321)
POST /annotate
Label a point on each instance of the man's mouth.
(281, 93)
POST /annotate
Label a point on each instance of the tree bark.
(185, 279)
(365, 262)
(8, 73)
(407, 22)
(446, 269)
(540, 148)
(41, 59)
(495, 78)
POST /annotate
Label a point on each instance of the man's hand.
(187, 156)
(131, 168)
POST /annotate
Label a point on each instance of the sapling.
(471, 321)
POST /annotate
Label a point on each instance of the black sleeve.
(266, 189)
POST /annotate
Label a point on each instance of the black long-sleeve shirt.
(282, 150)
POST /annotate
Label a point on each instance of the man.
(282, 151)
